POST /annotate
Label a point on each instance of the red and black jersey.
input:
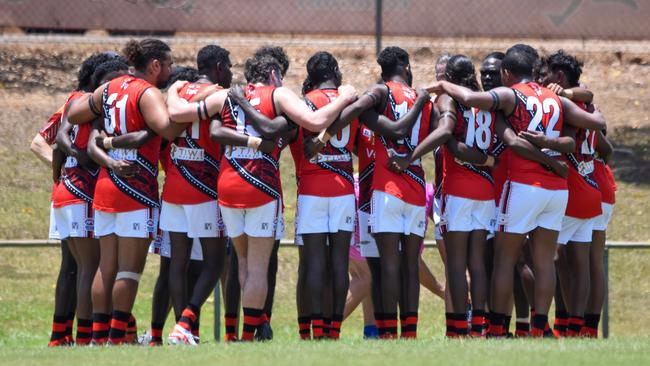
(366, 155)
(409, 185)
(536, 109)
(121, 105)
(333, 163)
(192, 176)
(249, 178)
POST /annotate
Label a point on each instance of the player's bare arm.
(122, 168)
(384, 126)
(604, 147)
(565, 144)
(287, 102)
(87, 107)
(577, 117)
(228, 136)
(526, 149)
(41, 149)
(267, 127)
(180, 110)
(500, 98)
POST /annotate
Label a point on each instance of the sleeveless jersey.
(605, 179)
(77, 183)
(584, 194)
(249, 178)
(366, 153)
(536, 109)
(409, 185)
(120, 102)
(333, 164)
(475, 128)
(192, 176)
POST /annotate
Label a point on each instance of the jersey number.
(533, 105)
(478, 128)
(341, 139)
(110, 121)
(400, 111)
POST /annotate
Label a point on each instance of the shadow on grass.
(631, 159)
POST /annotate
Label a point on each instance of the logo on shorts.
(136, 226)
(90, 224)
(348, 219)
(75, 226)
(265, 226)
(421, 224)
(208, 226)
(502, 219)
(150, 226)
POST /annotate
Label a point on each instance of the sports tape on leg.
(124, 275)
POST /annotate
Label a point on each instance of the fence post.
(217, 313)
(378, 20)
(606, 303)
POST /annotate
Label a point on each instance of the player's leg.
(265, 331)
(479, 283)
(302, 296)
(543, 250)
(64, 291)
(131, 258)
(429, 280)
(315, 253)
(522, 306)
(360, 282)
(233, 298)
(181, 247)
(160, 303)
(102, 287)
(597, 288)
(339, 259)
(390, 267)
(410, 271)
(87, 250)
(578, 260)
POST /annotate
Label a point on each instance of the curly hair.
(571, 66)
(88, 66)
(520, 60)
(139, 53)
(115, 66)
(391, 59)
(183, 73)
(209, 56)
(277, 53)
(258, 69)
(460, 70)
(321, 66)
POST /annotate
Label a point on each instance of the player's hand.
(312, 147)
(177, 85)
(436, 88)
(266, 146)
(556, 88)
(348, 93)
(206, 92)
(123, 168)
(398, 164)
(560, 168)
(537, 138)
(237, 94)
(99, 139)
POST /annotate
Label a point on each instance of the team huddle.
(520, 204)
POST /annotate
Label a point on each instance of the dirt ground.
(37, 73)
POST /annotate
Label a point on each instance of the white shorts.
(576, 230)
(53, 233)
(392, 215)
(263, 222)
(325, 214)
(524, 207)
(162, 245)
(201, 220)
(366, 240)
(77, 221)
(133, 224)
(602, 222)
(463, 214)
(437, 215)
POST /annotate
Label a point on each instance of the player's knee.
(127, 275)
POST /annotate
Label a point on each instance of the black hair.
(322, 66)
(443, 59)
(277, 53)
(391, 59)
(570, 65)
(183, 73)
(209, 56)
(258, 69)
(460, 70)
(496, 55)
(88, 66)
(113, 66)
(520, 59)
(139, 53)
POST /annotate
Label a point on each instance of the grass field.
(35, 80)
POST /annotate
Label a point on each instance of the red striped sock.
(188, 317)
(496, 327)
(84, 332)
(390, 326)
(304, 327)
(575, 326)
(119, 324)
(327, 326)
(379, 322)
(156, 332)
(252, 320)
(451, 326)
(478, 323)
(101, 327)
(317, 325)
(590, 328)
(410, 326)
(231, 327)
(335, 327)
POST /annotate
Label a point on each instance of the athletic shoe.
(197, 340)
(61, 342)
(264, 332)
(144, 339)
(181, 336)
